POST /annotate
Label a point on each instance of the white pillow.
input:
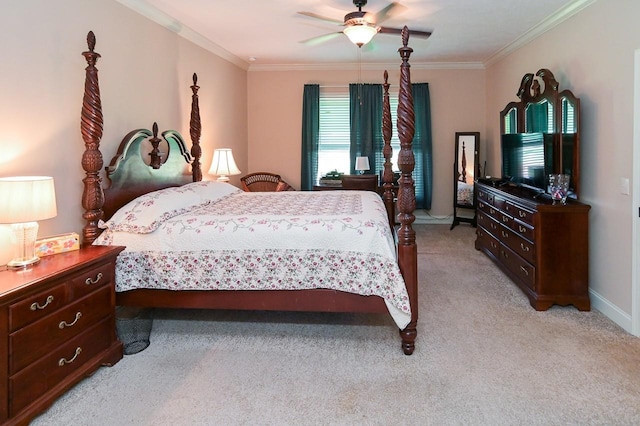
(147, 212)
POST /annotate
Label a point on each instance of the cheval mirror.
(465, 170)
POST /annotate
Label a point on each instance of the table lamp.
(362, 164)
(25, 200)
(223, 165)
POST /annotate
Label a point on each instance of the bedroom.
(142, 82)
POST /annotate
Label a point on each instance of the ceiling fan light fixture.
(360, 34)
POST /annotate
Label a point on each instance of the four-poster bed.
(130, 177)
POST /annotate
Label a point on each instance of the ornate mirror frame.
(543, 108)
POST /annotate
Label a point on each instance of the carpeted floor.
(483, 357)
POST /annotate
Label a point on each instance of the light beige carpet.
(483, 357)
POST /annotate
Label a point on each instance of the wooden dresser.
(543, 248)
(57, 320)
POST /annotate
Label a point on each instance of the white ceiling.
(464, 31)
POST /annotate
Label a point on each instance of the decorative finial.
(386, 76)
(155, 129)
(195, 79)
(91, 41)
(405, 36)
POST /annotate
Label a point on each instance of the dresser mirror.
(548, 121)
(465, 170)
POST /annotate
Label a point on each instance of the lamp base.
(223, 178)
(24, 239)
(23, 263)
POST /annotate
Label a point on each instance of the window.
(334, 132)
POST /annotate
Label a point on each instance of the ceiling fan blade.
(390, 11)
(314, 41)
(322, 18)
(412, 33)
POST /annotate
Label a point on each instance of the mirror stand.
(465, 171)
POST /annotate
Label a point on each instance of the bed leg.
(408, 336)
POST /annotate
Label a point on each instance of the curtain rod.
(323, 86)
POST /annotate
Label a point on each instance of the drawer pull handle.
(505, 255)
(505, 234)
(492, 211)
(35, 305)
(63, 361)
(505, 219)
(64, 324)
(522, 268)
(493, 245)
(89, 281)
(522, 214)
(523, 247)
(521, 228)
(493, 226)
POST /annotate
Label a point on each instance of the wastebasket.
(133, 327)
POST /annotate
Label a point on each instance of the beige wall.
(275, 116)
(591, 54)
(145, 74)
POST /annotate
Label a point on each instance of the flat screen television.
(529, 158)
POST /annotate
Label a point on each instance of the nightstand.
(57, 323)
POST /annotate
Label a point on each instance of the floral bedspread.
(210, 235)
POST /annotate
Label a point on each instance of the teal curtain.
(365, 102)
(310, 135)
(422, 146)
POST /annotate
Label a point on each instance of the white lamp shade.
(223, 164)
(27, 199)
(362, 163)
(360, 34)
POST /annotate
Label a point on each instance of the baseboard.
(611, 311)
(424, 218)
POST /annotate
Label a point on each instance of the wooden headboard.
(128, 173)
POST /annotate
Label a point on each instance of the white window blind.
(334, 131)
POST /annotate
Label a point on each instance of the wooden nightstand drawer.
(31, 342)
(37, 306)
(58, 323)
(53, 368)
(90, 280)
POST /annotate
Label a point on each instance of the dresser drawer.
(31, 342)
(91, 279)
(45, 374)
(518, 244)
(523, 230)
(37, 306)
(490, 210)
(488, 223)
(523, 270)
(520, 213)
(488, 241)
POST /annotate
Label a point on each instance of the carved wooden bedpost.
(387, 152)
(195, 129)
(407, 249)
(91, 126)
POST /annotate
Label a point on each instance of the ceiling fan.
(361, 26)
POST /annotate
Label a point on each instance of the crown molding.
(161, 18)
(560, 16)
(363, 66)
